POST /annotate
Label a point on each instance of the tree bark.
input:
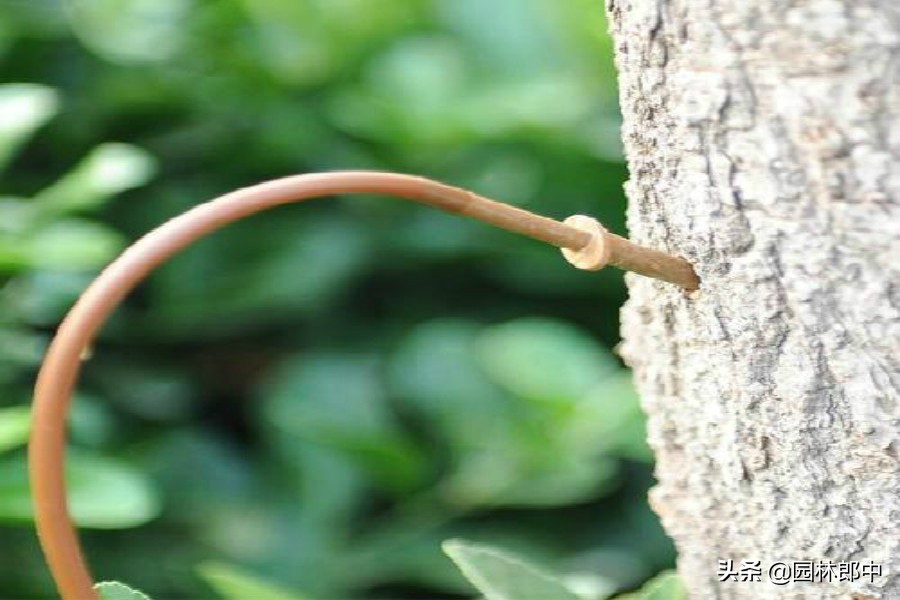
(763, 140)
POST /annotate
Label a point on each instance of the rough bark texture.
(763, 139)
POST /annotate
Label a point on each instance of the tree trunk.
(763, 140)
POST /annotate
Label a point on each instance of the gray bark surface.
(763, 141)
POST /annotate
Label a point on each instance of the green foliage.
(45, 237)
(113, 590)
(42, 233)
(108, 170)
(103, 493)
(666, 586)
(233, 584)
(570, 362)
(14, 426)
(322, 394)
(23, 109)
(500, 576)
(130, 31)
(41, 238)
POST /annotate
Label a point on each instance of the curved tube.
(62, 363)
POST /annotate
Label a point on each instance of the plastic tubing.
(62, 363)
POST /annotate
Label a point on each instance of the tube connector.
(595, 254)
(605, 248)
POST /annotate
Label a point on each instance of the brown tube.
(62, 363)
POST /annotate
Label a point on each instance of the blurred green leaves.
(130, 31)
(232, 583)
(256, 272)
(71, 245)
(108, 170)
(14, 426)
(24, 107)
(229, 583)
(459, 419)
(49, 237)
(500, 576)
(666, 586)
(113, 590)
(512, 401)
(544, 361)
(338, 402)
(42, 238)
(508, 402)
(103, 493)
(40, 233)
(322, 394)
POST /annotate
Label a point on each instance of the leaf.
(23, 108)
(522, 49)
(113, 590)
(16, 214)
(434, 369)
(251, 272)
(571, 481)
(665, 586)
(543, 360)
(612, 415)
(73, 244)
(501, 576)
(234, 584)
(414, 92)
(130, 31)
(103, 493)
(107, 170)
(21, 349)
(340, 402)
(14, 426)
(522, 454)
(47, 295)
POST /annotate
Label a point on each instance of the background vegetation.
(321, 395)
